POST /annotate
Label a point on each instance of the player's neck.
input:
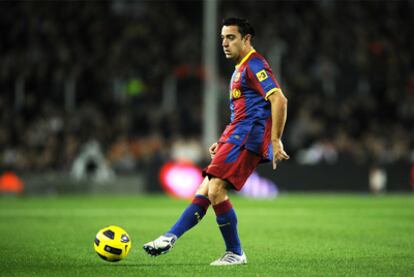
(243, 54)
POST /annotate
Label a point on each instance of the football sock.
(227, 221)
(191, 216)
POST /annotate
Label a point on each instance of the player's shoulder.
(257, 62)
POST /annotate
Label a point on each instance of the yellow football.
(112, 243)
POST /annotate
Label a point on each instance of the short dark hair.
(245, 28)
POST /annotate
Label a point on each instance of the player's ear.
(247, 38)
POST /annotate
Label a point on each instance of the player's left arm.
(278, 103)
(265, 83)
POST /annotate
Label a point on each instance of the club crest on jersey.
(236, 93)
(261, 75)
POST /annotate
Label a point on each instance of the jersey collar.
(245, 58)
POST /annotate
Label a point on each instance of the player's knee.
(203, 188)
(217, 191)
(216, 196)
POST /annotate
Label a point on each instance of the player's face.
(232, 42)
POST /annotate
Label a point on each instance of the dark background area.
(76, 73)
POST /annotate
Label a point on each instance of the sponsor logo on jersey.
(261, 75)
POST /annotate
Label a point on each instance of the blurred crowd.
(91, 79)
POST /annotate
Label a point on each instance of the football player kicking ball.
(258, 116)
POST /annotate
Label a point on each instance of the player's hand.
(279, 153)
(213, 149)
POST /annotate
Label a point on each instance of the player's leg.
(234, 164)
(194, 212)
(227, 222)
(188, 219)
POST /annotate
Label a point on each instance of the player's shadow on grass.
(160, 265)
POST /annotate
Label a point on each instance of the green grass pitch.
(293, 235)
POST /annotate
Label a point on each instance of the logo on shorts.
(261, 75)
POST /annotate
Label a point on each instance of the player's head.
(243, 25)
(236, 35)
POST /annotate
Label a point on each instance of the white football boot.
(161, 245)
(230, 258)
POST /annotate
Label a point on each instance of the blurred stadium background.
(98, 96)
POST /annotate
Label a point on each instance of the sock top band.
(223, 207)
(202, 201)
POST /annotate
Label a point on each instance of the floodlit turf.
(293, 235)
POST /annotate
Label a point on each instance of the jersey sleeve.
(261, 77)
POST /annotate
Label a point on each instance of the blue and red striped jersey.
(250, 124)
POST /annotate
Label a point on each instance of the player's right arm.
(213, 149)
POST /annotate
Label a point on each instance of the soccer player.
(258, 115)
